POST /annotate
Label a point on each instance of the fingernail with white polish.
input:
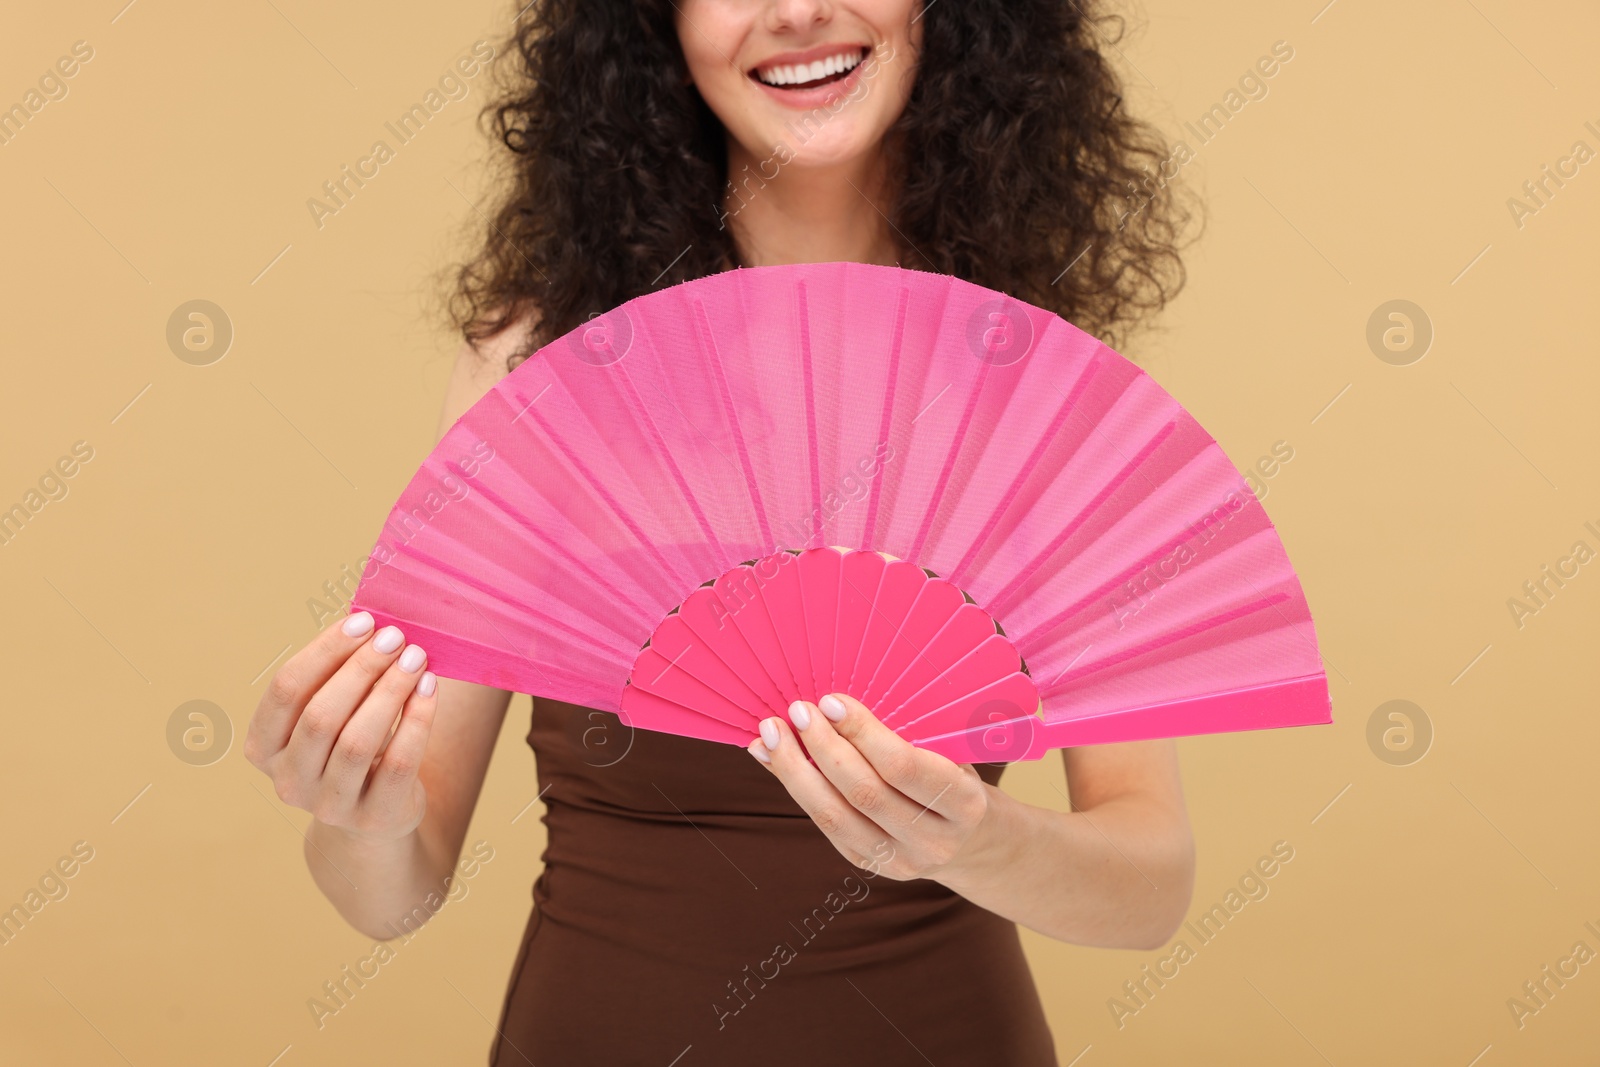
(759, 751)
(832, 707)
(389, 638)
(800, 715)
(357, 624)
(427, 683)
(412, 659)
(769, 733)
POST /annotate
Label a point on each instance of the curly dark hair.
(1014, 165)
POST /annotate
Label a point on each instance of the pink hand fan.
(780, 482)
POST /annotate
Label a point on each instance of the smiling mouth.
(825, 71)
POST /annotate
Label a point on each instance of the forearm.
(379, 887)
(1117, 876)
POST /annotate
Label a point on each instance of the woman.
(700, 905)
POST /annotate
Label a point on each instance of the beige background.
(178, 567)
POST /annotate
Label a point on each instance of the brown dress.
(690, 914)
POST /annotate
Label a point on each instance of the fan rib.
(610, 501)
(1100, 397)
(844, 673)
(819, 601)
(976, 653)
(1112, 485)
(1010, 690)
(1157, 643)
(1057, 421)
(783, 598)
(1229, 536)
(928, 599)
(958, 438)
(885, 423)
(450, 571)
(811, 409)
(890, 605)
(886, 713)
(727, 643)
(650, 712)
(678, 643)
(763, 642)
(702, 697)
(725, 394)
(665, 454)
(840, 605)
(985, 436)
(560, 549)
(1299, 701)
(486, 664)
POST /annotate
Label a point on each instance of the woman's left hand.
(884, 803)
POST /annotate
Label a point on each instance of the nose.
(798, 14)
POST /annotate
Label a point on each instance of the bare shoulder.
(479, 367)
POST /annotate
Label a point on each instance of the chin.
(833, 151)
(793, 143)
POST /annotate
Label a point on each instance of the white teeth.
(804, 73)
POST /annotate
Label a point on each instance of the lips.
(811, 69)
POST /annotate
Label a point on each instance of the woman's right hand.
(322, 731)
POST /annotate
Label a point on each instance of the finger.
(937, 784)
(394, 779)
(364, 735)
(851, 832)
(301, 675)
(852, 775)
(325, 714)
